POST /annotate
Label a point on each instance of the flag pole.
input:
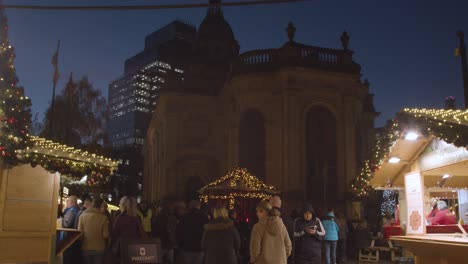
(54, 80)
(462, 53)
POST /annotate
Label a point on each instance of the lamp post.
(462, 52)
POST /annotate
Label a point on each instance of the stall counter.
(435, 248)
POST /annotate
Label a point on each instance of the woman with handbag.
(269, 242)
(127, 224)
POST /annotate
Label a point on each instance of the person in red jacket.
(443, 216)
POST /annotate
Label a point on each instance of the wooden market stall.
(431, 145)
(238, 190)
(29, 196)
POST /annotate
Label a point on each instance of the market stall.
(422, 155)
(29, 198)
(238, 190)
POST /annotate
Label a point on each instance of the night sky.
(405, 48)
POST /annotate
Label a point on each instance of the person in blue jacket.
(331, 236)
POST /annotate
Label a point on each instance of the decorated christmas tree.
(15, 107)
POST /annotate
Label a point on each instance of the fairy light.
(241, 185)
(56, 157)
(445, 124)
(15, 116)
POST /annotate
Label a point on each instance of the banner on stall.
(414, 188)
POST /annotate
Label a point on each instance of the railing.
(258, 57)
(295, 55)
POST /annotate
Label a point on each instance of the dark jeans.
(167, 256)
(189, 257)
(93, 256)
(311, 260)
(330, 252)
(72, 255)
(341, 251)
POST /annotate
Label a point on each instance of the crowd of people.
(189, 234)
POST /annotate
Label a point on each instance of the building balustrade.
(294, 54)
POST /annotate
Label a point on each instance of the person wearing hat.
(275, 202)
(308, 235)
(331, 236)
(269, 242)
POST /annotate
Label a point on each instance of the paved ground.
(367, 262)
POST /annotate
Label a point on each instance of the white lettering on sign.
(143, 258)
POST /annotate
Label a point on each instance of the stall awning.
(431, 141)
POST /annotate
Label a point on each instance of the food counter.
(436, 248)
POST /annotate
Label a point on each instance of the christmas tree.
(15, 107)
(389, 202)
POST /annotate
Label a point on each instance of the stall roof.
(48, 147)
(439, 149)
(56, 157)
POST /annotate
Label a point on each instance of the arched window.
(321, 156)
(252, 142)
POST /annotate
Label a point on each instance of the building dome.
(216, 43)
(215, 27)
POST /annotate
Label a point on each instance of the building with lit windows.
(132, 98)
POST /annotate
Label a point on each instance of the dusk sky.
(405, 48)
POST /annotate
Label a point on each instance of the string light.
(15, 112)
(446, 124)
(237, 184)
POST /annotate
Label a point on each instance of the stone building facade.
(298, 116)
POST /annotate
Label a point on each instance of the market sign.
(440, 153)
(65, 191)
(141, 251)
(415, 220)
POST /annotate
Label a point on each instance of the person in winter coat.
(269, 242)
(165, 229)
(94, 226)
(189, 233)
(308, 235)
(331, 236)
(342, 237)
(71, 255)
(127, 225)
(146, 215)
(221, 241)
(443, 216)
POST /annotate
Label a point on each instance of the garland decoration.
(446, 124)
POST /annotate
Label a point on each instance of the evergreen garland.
(440, 123)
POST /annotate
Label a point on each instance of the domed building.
(298, 117)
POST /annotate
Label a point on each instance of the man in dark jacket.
(189, 234)
(308, 234)
(165, 228)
